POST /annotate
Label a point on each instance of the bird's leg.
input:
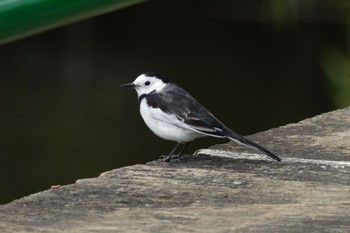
(175, 148)
(168, 157)
(171, 155)
(183, 149)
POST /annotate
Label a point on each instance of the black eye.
(147, 83)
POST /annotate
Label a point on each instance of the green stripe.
(19, 18)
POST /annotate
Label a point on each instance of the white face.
(145, 84)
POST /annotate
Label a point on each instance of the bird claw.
(169, 158)
(162, 157)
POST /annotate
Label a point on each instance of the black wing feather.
(175, 100)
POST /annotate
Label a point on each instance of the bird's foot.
(170, 158)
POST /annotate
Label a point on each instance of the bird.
(173, 114)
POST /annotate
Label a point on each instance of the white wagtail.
(173, 114)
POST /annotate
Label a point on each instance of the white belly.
(166, 126)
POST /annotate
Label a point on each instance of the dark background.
(255, 66)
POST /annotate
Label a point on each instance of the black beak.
(128, 85)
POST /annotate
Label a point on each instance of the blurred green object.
(336, 65)
(20, 18)
(283, 11)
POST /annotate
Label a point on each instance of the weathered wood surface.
(231, 190)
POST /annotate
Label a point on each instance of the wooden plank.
(240, 192)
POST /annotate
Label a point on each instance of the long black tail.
(242, 140)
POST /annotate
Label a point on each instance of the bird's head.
(147, 83)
